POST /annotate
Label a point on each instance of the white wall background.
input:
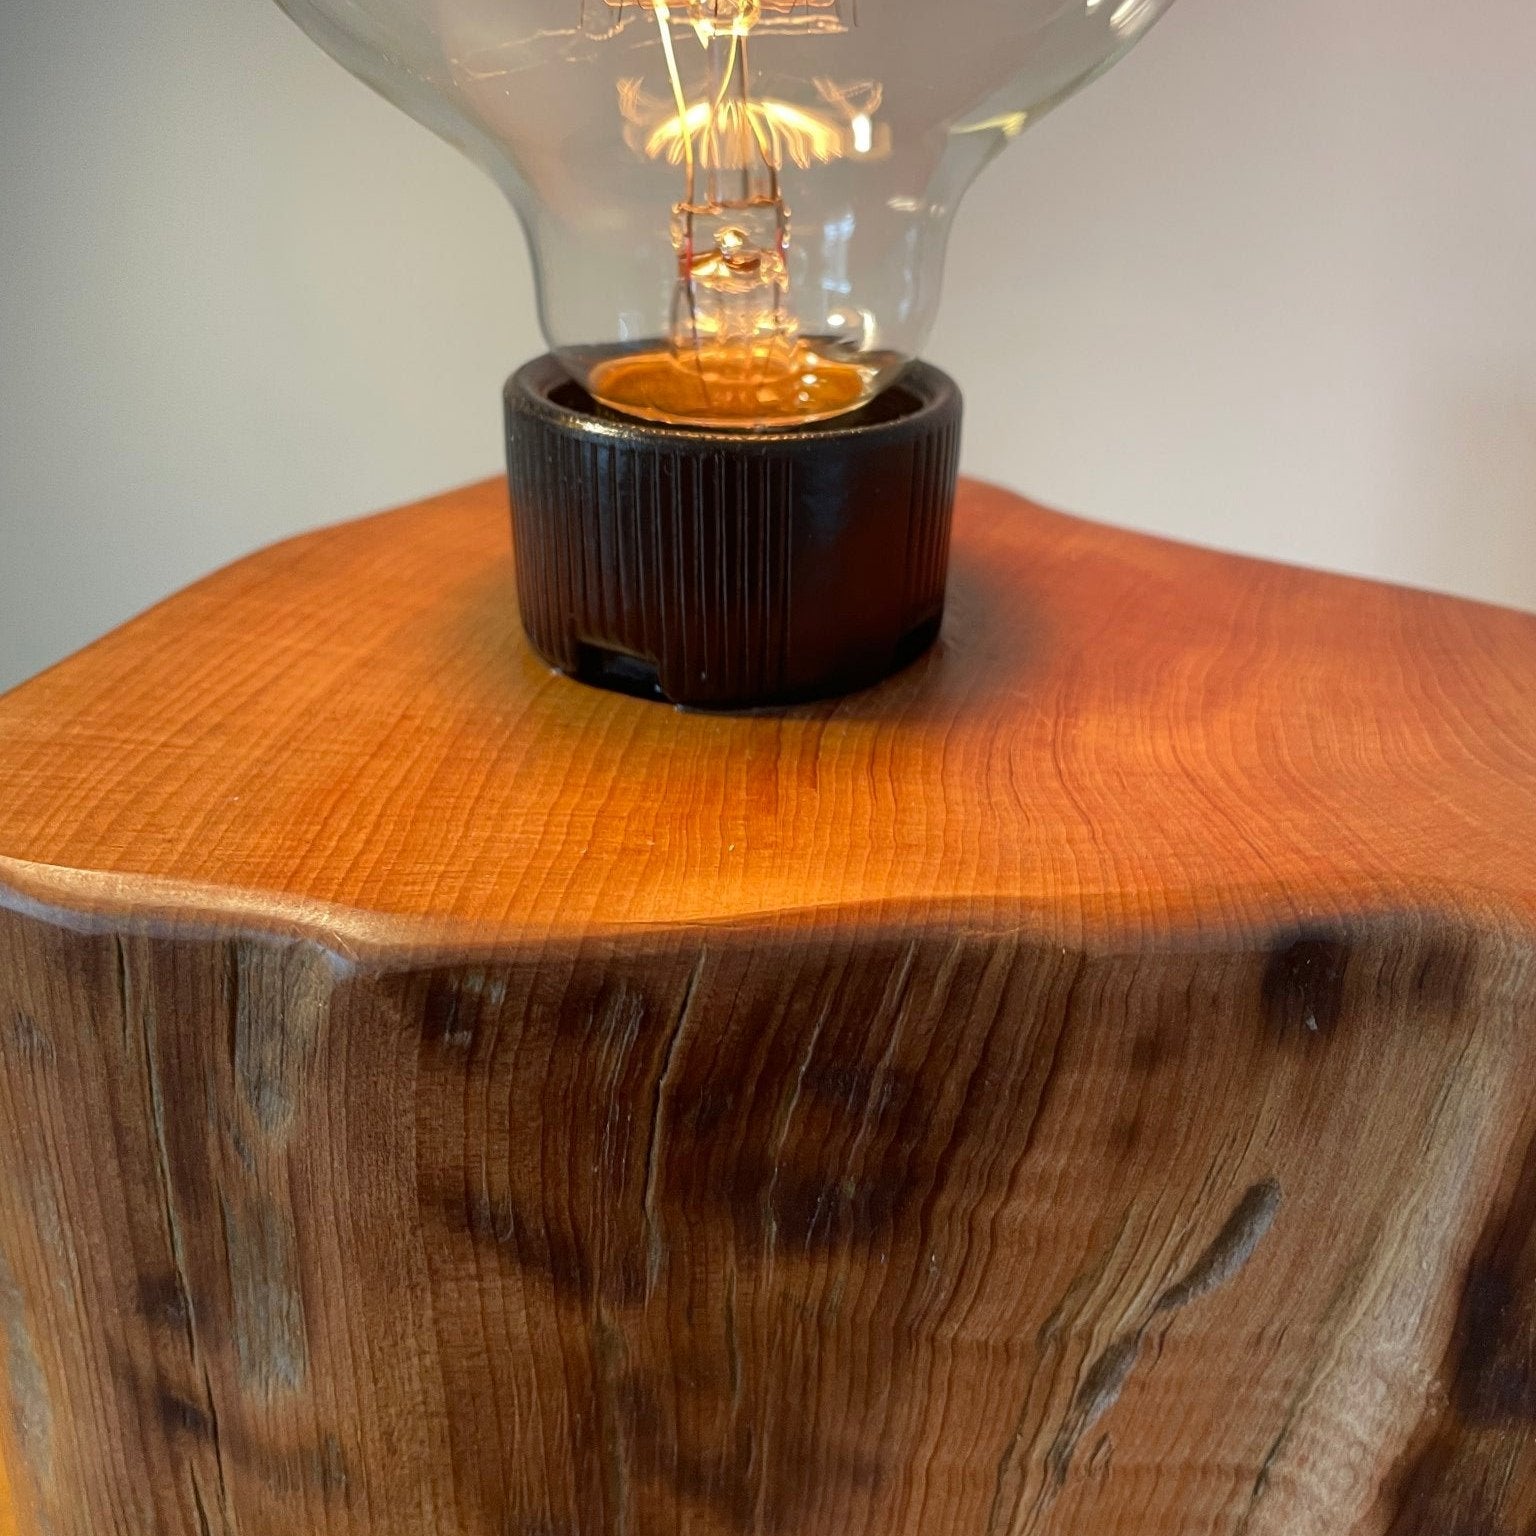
(1270, 285)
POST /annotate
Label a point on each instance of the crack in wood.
(732, 1344)
(1053, 1065)
(216, 1439)
(1105, 1379)
(655, 1253)
(1009, 1483)
(776, 1158)
(1229, 1251)
(199, 1508)
(124, 987)
(148, 1035)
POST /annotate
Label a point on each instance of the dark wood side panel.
(837, 1233)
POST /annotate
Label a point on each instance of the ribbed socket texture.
(723, 571)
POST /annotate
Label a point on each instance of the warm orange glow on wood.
(7, 1514)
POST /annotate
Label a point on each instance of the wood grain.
(1116, 732)
(1083, 1085)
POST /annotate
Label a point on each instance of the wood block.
(1082, 1085)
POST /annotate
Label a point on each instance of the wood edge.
(90, 902)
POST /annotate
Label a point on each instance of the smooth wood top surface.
(1115, 732)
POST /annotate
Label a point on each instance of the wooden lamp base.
(1081, 1085)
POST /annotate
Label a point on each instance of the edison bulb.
(737, 209)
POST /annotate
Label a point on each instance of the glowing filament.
(727, 137)
(735, 354)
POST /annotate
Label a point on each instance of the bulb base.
(731, 570)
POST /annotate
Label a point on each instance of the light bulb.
(737, 209)
(732, 482)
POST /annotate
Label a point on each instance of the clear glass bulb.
(738, 209)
